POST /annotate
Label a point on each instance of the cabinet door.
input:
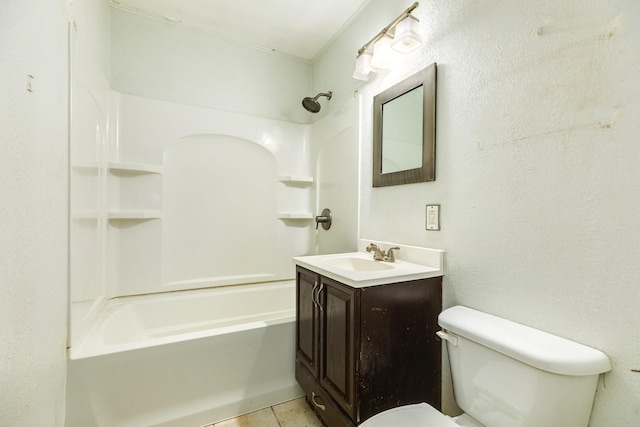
(307, 320)
(338, 310)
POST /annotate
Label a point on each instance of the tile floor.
(294, 413)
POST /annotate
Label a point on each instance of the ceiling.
(301, 28)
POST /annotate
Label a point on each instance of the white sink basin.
(352, 263)
(358, 269)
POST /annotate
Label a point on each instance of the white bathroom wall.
(164, 61)
(536, 167)
(33, 208)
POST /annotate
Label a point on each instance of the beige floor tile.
(296, 413)
(262, 418)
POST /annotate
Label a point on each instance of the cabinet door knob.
(318, 405)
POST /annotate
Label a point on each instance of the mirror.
(404, 131)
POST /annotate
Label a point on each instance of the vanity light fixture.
(407, 37)
(383, 55)
(401, 35)
(363, 66)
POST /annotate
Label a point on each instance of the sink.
(352, 263)
(359, 270)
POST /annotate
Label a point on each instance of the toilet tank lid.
(528, 345)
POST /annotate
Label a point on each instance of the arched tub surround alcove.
(222, 196)
(219, 216)
(195, 197)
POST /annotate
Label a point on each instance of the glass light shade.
(407, 36)
(363, 66)
(382, 53)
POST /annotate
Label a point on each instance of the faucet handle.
(390, 257)
(324, 218)
(378, 255)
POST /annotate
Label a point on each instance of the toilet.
(507, 375)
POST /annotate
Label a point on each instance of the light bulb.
(382, 53)
(363, 66)
(407, 37)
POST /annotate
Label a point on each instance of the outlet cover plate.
(433, 218)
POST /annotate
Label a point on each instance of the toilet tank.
(509, 375)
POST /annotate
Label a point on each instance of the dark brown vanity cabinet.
(360, 351)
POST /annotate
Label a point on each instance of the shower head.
(312, 105)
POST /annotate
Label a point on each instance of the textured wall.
(163, 61)
(33, 212)
(537, 167)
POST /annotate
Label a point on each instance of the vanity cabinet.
(360, 351)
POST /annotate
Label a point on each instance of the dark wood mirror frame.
(427, 79)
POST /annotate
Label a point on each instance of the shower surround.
(184, 197)
(191, 181)
(168, 198)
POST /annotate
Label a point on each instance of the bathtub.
(185, 358)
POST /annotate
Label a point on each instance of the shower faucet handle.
(324, 218)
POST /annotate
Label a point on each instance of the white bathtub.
(185, 359)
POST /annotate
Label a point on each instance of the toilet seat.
(417, 415)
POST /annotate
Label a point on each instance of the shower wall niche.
(182, 197)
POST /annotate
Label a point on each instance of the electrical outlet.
(433, 217)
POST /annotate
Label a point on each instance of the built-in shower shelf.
(134, 167)
(297, 180)
(295, 215)
(119, 167)
(141, 214)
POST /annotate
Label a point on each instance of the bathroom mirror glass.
(404, 131)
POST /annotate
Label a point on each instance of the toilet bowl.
(507, 375)
(418, 415)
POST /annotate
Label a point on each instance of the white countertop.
(430, 265)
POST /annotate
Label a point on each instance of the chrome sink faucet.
(380, 255)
